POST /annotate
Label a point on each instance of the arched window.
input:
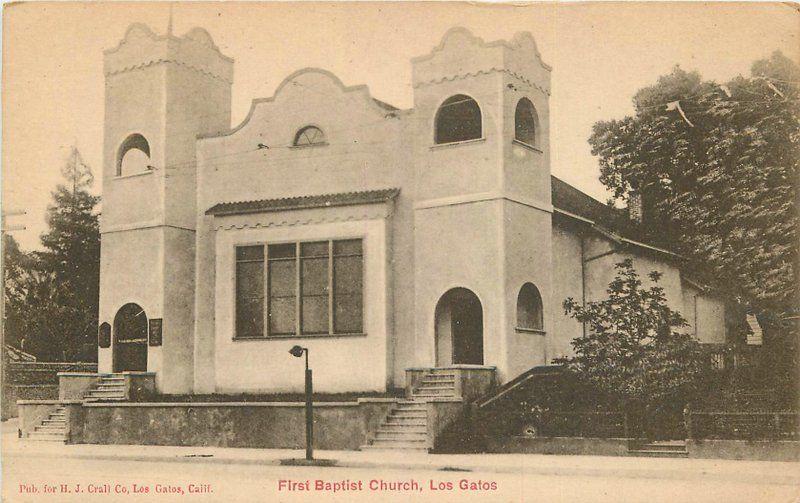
(133, 156)
(529, 308)
(309, 135)
(458, 119)
(525, 122)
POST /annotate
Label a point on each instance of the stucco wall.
(527, 247)
(131, 271)
(567, 282)
(459, 246)
(265, 365)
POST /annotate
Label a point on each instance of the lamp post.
(297, 351)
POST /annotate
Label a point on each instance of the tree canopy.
(716, 166)
(52, 295)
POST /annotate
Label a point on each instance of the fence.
(742, 425)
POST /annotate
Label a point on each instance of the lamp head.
(297, 351)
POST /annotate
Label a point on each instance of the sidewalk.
(769, 472)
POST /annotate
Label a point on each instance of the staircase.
(666, 449)
(111, 387)
(52, 429)
(406, 425)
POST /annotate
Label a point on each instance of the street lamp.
(297, 351)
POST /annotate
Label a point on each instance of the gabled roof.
(568, 198)
(304, 202)
(611, 222)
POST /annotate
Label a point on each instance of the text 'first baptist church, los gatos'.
(381, 239)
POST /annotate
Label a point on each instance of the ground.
(253, 475)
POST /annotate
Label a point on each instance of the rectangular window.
(250, 291)
(312, 288)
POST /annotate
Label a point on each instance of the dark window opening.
(530, 314)
(525, 122)
(458, 119)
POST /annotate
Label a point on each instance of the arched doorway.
(459, 328)
(130, 339)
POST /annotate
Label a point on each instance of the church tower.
(483, 216)
(161, 92)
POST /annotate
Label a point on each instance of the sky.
(601, 54)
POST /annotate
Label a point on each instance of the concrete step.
(410, 406)
(402, 428)
(111, 385)
(406, 420)
(413, 442)
(420, 436)
(50, 429)
(410, 414)
(45, 437)
(434, 395)
(54, 422)
(105, 393)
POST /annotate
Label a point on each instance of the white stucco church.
(381, 239)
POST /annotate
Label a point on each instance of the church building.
(381, 239)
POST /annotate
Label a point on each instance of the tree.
(52, 295)
(634, 351)
(717, 169)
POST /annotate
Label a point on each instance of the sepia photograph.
(400, 251)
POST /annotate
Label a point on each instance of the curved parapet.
(461, 54)
(141, 47)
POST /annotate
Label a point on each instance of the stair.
(52, 429)
(668, 449)
(406, 425)
(110, 388)
(436, 384)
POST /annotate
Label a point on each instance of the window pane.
(250, 292)
(282, 278)
(318, 249)
(250, 317)
(349, 247)
(249, 253)
(347, 275)
(282, 251)
(315, 315)
(315, 276)
(347, 314)
(249, 279)
(281, 315)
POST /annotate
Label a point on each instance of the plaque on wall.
(104, 335)
(155, 331)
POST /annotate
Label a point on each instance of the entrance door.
(459, 328)
(130, 339)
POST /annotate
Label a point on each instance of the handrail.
(540, 370)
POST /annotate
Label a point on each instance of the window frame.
(539, 316)
(302, 129)
(130, 143)
(298, 319)
(534, 118)
(436, 117)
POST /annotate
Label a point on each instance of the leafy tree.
(718, 185)
(634, 351)
(52, 295)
